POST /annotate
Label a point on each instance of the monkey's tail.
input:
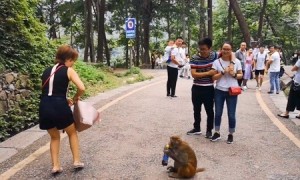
(200, 170)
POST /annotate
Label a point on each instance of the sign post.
(130, 28)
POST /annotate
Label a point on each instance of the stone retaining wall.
(13, 88)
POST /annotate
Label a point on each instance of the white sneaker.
(259, 88)
(244, 88)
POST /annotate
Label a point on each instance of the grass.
(100, 79)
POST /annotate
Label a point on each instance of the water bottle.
(165, 157)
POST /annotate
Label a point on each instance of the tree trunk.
(89, 42)
(168, 21)
(101, 31)
(137, 40)
(241, 20)
(261, 21)
(210, 18)
(52, 31)
(107, 50)
(229, 24)
(147, 16)
(183, 15)
(271, 26)
(202, 27)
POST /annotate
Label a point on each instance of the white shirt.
(260, 61)
(275, 65)
(297, 75)
(183, 54)
(226, 81)
(176, 52)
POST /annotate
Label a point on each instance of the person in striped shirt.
(203, 86)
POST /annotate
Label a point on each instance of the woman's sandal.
(78, 165)
(56, 171)
(283, 116)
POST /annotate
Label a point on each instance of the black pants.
(203, 95)
(293, 99)
(172, 80)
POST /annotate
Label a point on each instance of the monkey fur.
(185, 161)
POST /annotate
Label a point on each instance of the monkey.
(185, 161)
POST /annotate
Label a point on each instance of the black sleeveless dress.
(54, 111)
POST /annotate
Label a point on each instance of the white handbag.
(85, 115)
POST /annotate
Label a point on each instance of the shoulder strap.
(221, 64)
(51, 76)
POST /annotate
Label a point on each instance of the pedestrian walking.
(274, 69)
(54, 110)
(247, 74)
(294, 94)
(228, 71)
(203, 86)
(172, 68)
(259, 66)
(241, 55)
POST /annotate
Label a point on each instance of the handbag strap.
(52, 75)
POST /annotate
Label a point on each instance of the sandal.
(55, 171)
(283, 116)
(298, 117)
(78, 165)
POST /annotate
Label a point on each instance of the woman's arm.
(73, 76)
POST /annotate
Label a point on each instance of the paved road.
(137, 121)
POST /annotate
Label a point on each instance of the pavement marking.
(17, 167)
(276, 121)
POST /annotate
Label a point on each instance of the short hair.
(183, 43)
(65, 52)
(179, 37)
(261, 46)
(205, 41)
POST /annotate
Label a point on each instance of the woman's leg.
(74, 143)
(231, 102)
(219, 105)
(54, 147)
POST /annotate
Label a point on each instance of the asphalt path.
(137, 121)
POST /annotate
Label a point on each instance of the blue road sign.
(130, 27)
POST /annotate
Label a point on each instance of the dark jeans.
(293, 99)
(172, 80)
(231, 101)
(203, 95)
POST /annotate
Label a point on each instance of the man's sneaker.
(208, 134)
(193, 132)
(216, 137)
(230, 139)
(181, 76)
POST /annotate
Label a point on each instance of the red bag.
(234, 91)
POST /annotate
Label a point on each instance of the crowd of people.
(214, 73)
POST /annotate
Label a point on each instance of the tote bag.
(85, 115)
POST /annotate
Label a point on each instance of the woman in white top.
(228, 71)
(294, 95)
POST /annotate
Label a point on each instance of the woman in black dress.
(54, 112)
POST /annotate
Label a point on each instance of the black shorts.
(54, 111)
(261, 72)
